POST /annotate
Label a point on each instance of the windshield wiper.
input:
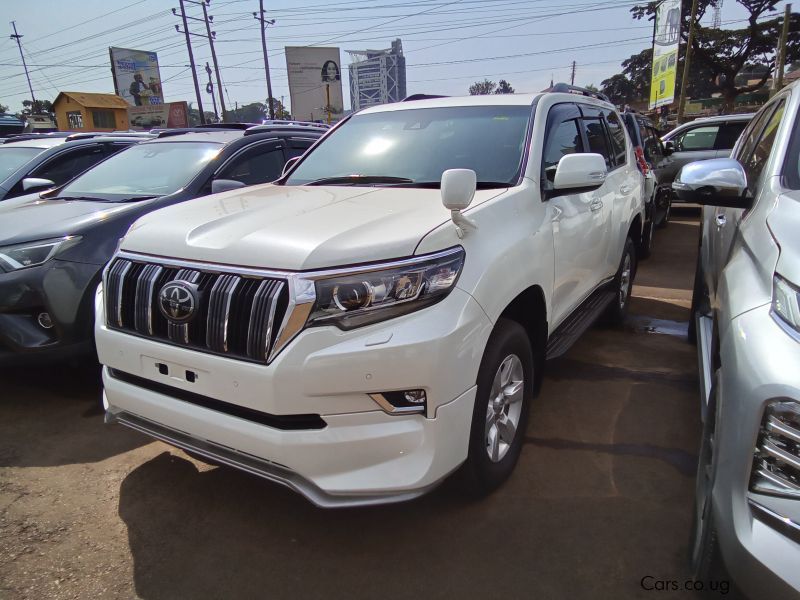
(481, 185)
(90, 198)
(137, 198)
(359, 179)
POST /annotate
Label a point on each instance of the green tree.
(721, 54)
(39, 107)
(619, 89)
(280, 109)
(3, 108)
(592, 87)
(503, 87)
(482, 88)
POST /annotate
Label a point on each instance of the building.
(377, 76)
(79, 111)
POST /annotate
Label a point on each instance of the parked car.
(381, 315)
(701, 139)
(33, 163)
(53, 246)
(746, 315)
(653, 161)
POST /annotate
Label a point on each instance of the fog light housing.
(402, 402)
(44, 320)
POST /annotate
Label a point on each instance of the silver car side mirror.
(36, 183)
(714, 182)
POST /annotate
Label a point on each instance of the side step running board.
(579, 321)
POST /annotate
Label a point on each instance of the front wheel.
(502, 402)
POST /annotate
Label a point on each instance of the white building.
(377, 76)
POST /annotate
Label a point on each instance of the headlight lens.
(364, 296)
(786, 302)
(30, 254)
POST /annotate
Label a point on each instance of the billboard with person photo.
(315, 83)
(136, 76)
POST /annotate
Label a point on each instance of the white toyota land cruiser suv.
(381, 315)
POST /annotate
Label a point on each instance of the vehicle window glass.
(420, 144)
(150, 169)
(67, 165)
(751, 134)
(653, 150)
(256, 165)
(728, 134)
(697, 138)
(12, 158)
(754, 163)
(617, 138)
(562, 140)
(596, 137)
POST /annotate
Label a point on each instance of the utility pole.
(211, 36)
(687, 61)
(191, 59)
(210, 90)
(259, 16)
(17, 37)
(787, 14)
(572, 78)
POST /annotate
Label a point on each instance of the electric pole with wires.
(259, 16)
(16, 36)
(211, 37)
(191, 57)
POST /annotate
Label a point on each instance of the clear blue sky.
(448, 43)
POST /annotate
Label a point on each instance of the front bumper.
(759, 534)
(64, 290)
(362, 455)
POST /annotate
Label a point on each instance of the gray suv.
(746, 309)
(708, 137)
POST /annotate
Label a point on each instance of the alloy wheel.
(625, 281)
(504, 408)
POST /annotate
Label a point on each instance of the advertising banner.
(173, 114)
(136, 76)
(314, 77)
(665, 53)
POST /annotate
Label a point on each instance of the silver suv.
(746, 309)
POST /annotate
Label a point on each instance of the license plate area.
(166, 371)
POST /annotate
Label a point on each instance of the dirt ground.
(600, 500)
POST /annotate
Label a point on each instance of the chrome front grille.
(776, 464)
(237, 315)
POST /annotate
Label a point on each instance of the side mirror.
(714, 182)
(669, 148)
(458, 189)
(224, 185)
(36, 183)
(289, 164)
(580, 172)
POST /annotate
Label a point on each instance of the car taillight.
(640, 161)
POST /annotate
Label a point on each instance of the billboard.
(136, 76)
(665, 53)
(314, 74)
(172, 114)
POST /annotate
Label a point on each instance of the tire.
(663, 221)
(646, 247)
(623, 285)
(494, 447)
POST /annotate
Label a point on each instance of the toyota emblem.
(177, 301)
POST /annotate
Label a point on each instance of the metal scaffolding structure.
(377, 76)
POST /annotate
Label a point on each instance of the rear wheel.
(663, 209)
(646, 247)
(623, 284)
(505, 386)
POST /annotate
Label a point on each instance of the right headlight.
(370, 294)
(31, 254)
(786, 302)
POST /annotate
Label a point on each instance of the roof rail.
(225, 125)
(413, 97)
(286, 130)
(573, 89)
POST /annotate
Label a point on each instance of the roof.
(483, 100)
(91, 100)
(36, 143)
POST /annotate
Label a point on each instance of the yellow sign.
(665, 53)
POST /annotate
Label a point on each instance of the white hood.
(294, 227)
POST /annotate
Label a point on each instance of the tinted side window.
(653, 151)
(258, 165)
(755, 162)
(620, 151)
(728, 134)
(564, 139)
(67, 165)
(596, 137)
(698, 138)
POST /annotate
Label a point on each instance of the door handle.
(721, 220)
(596, 205)
(625, 189)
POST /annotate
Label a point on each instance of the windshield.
(415, 146)
(12, 158)
(143, 170)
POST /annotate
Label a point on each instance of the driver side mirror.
(669, 148)
(30, 184)
(714, 182)
(289, 164)
(224, 185)
(580, 172)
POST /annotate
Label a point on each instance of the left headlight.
(31, 254)
(786, 302)
(370, 294)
